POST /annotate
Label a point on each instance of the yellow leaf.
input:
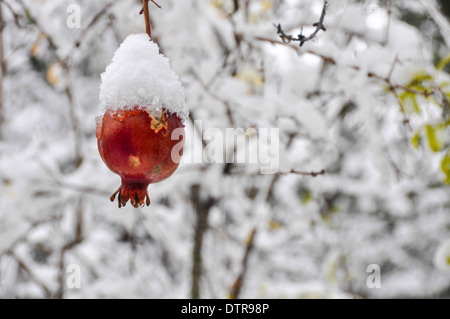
(445, 166)
(443, 63)
(267, 5)
(35, 49)
(252, 76)
(54, 73)
(273, 225)
(307, 198)
(413, 98)
(421, 77)
(416, 140)
(433, 140)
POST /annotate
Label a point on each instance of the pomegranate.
(138, 146)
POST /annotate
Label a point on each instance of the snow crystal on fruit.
(140, 76)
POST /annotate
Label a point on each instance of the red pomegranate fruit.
(138, 146)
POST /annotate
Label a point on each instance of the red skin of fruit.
(138, 147)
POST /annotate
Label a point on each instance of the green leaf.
(307, 198)
(415, 104)
(445, 166)
(29, 17)
(416, 140)
(420, 79)
(443, 63)
(335, 209)
(409, 97)
(433, 140)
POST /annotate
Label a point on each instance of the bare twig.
(247, 10)
(214, 96)
(41, 29)
(393, 65)
(156, 4)
(202, 208)
(24, 266)
(327, 59)
(292, 171)
(439, 18)
(83, 189)
(445, 104)
(2, 60)
(79, 188)
(75, 125)
(2, 68)
(276, 177)
(112, 25)
(23, 238)
(15, 15)
(65, 64)
(197, 129)
(145, 11)
(273, 182)
(142, 10)
(389, 22)
(392, 87)
(70, 245)
(237, 285)
(148, 27)
(63, 60)
(235, 7)
(387, 79)
(86, 30)
(287, 38)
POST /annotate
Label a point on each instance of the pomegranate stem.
(148, 27)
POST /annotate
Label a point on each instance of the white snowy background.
(367, 101)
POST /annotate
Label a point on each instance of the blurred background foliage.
(367, 101)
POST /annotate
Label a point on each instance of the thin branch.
(23, 238)
(75, 125)
(83, 189)
(221, 69)
(247, 10)
(86, 30)
(235, 7)
(214, 96)
(145, 11)
(287, 38)
(389, 22)
(67, 247)
(313, 174)
(445, 104)
(41, 29)
(237, 285)
(272, 41)
(142, 10)
(392, 87)
(79, 188)
(65, 65)
(2, 58)
(156, 4)
(15, 15)
(202, 208)
(113, 27)
(2, 67)
(439, 18)
(394, 64)
(27, 269)
(197, 129)
(64, 61)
